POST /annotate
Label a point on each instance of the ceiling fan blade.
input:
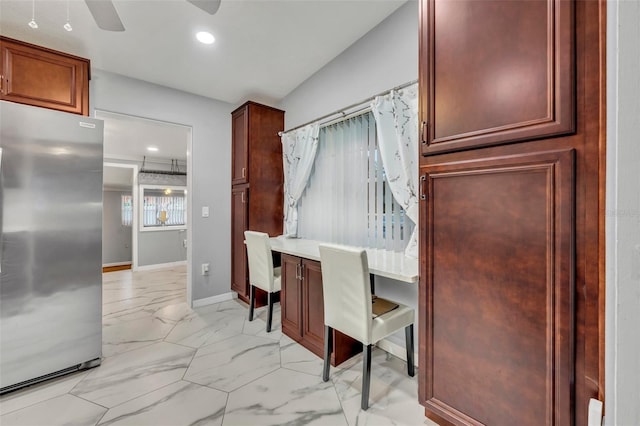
(105, 14)
(209, 6)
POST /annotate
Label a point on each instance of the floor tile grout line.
(38, 402)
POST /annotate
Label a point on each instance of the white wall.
(385, 57)
(622, 334)
(158, 247)
(211, 124)
(116, 238)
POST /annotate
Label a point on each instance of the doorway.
(148, 187)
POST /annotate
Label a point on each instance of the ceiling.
(128, 138)
(117, 178)
(264, 48)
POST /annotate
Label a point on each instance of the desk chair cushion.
(392, 321)
(261, 270)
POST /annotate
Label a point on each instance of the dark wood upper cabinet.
(494, 72)
(42, 77)
(240, 147)
(257, 184)
(500, 289)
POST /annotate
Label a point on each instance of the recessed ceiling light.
(152, 148)
(205, 37)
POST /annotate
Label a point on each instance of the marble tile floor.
(167, 364)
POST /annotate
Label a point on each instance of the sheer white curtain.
(299, 152)
(396, 116)
(347, 200)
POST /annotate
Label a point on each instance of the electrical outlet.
(205, 269)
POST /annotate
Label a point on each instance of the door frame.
(134, 206)
(190, 215)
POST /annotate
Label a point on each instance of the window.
(163, 207)
(127, 210)
(347, 199)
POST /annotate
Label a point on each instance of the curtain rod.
(344, 110)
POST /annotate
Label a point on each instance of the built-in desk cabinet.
(42, 77)
(302, 309)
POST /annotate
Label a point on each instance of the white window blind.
(163, 208)
(347, 199)
(127, 210)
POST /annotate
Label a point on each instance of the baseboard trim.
(112, 267)
(396, 350)
(215, 299)
(161, 266)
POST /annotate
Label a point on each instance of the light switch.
(205, 211)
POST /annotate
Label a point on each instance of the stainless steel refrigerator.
(50, 238)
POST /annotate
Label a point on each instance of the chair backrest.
(260, 260)
(346, 291)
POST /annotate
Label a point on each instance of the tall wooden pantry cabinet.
(256, 184)
(511, 297)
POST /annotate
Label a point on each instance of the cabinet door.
(313, 306)
(494, 72)
(240, 146)
(44, 78)
(497, 289)
(239, 215)
(291, 297)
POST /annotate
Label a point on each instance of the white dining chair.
(348, 309)
(262, 274)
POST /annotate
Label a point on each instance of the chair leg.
(366, 376)
(270, 316)
(328, 348)
(252, 301)
(408, 334)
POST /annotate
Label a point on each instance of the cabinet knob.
(423, 194)
(244, 172)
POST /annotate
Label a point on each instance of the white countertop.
(384, 263)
